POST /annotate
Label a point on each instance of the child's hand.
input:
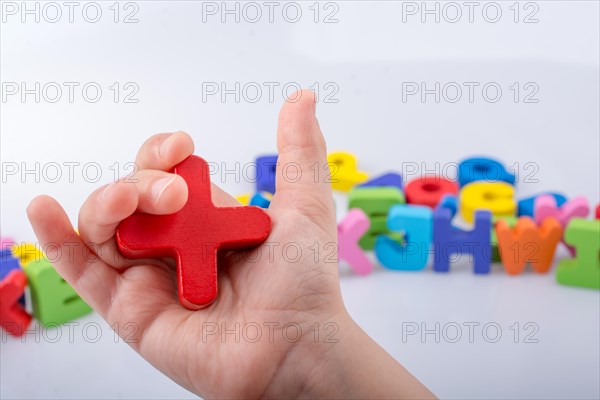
(245, 344)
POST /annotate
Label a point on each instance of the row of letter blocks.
(407, 225)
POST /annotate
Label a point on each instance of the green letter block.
(584, 269)
(54, 300)
(375, 202)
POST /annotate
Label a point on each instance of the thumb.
(303, 177)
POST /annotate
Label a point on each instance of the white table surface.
(366, 56)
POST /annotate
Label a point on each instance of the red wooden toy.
(429, 190)
(194, 235)
(13, 318)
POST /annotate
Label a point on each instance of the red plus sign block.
(13, 318)
(194, 235)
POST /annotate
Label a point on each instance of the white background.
(366, 56)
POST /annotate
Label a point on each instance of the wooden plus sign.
(194, 235)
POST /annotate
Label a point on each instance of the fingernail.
(159, 186)
(163, 147)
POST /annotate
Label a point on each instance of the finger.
(151, 191)
(93, 280)
(302, 168)
(165, 150)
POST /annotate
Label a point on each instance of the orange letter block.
(528, 243)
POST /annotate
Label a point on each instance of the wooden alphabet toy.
(344, 174)
(8, 263)
(584, 269)
(510, 222)
(266, 169)
(416, 223)
(261, 199)
(449, 240)
(54, 300)
(194, 235)
(526, 243)
(350, 230)
(547, 206)
(449, 201)
(483, 169)
(13, 317)
(388, 179)
(429, 190)
(497, 197)
(6, 242)
(526, 206)
(375, 202)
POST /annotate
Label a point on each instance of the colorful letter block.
(375, 203)
(261, 199)
(344, 174)
(449, 201)
(350, 230)
(8, 263)
(450, 240)
(546, 206)
(243, 199)
(27, 252)
(194, 235)
(511, 222)
(483, 169)
(13, 317)
(54, 300)
(416, 223)
(527, 243)
(496, 197)
(584, 269)
(429, 190)
(389, 179)
(526, 206)
(266, 170)
(6, 242)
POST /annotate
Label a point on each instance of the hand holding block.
(343, 170)
(54, 300)
(584, 269)
(194, 235)
(389, 179)
(429, 190)
(417, 224)
(528, 243)
(483, 169)
(497, 197)
(13, 318)
(350, 230)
